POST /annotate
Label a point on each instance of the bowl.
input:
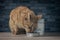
(32, 34)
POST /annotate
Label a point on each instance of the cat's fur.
(23, 18)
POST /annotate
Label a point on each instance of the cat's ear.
(39, 17)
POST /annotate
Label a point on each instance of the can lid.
(33, 34)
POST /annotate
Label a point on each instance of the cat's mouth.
(30, 28)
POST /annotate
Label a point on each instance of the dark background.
(49, 8)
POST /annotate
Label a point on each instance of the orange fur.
(22, 18)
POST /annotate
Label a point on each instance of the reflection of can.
(40, 28)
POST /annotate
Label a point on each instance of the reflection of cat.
(23, 18)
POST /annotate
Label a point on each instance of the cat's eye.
(26, 19)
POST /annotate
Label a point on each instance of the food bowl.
(32, 34)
